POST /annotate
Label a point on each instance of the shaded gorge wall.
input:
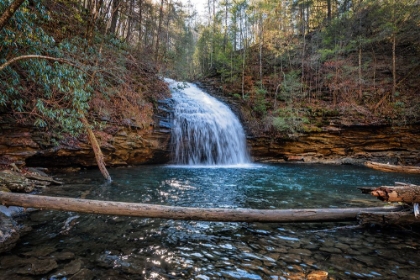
(121, 144)
(128, 145)
(343, 145)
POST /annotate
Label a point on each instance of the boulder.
(15, 181)
(9, 233)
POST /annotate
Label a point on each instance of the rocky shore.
(26, 180)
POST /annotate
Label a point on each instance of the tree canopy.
(291, 63)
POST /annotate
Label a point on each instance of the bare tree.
(115, 12)
(159, 31)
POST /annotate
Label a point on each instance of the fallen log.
(186, 213)
(401, 193)
(393, 168)
(405, 218)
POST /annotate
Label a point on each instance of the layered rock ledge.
(343, 145)
(121, 144)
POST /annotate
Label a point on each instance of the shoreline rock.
(24, 181)
(10, 230)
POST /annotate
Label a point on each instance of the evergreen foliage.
(48, 93)
(355, 57)
(278, 59)
(74, 75)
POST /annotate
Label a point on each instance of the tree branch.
(30, 56)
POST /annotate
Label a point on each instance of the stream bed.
(67, 245)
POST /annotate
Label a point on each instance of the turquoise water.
(250, 186)
(111, 247)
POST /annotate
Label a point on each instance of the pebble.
(317, 275)
(33, 266)
(331, 250)
(83, 274)
(303, 252)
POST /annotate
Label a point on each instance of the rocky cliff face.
(126, 145)
(121, 145)
(345, 145)
(341, 143)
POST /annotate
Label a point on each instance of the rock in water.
(9, 234)
(15, 181)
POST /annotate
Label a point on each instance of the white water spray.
(205, 131)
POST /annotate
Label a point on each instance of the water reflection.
(111, 247)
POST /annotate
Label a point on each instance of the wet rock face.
(347, 145)
(129, 144)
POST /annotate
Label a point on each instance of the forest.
(291, 66)
(242, 136)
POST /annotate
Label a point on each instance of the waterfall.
(204, 131)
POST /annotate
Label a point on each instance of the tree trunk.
(93, 7)
(243, 46)
(260, 51)
(360, 73)
(394, 57)
(96, 149)
(114, 19)
(130, 21)
(147, 18)
(401, 193)
(168, 19)
(225, 27)
(159, 31)
(185, 213)
(394, 68)
(9, 12)
(329, 12)
(140, 24)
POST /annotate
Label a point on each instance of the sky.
(199, 5)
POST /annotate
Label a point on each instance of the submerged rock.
(69, 269)
(9, 233)
(63, 256)
(34, 266)
(83, 274)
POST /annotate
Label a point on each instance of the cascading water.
(205, 131)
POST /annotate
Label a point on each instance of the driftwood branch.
(186, 213)
(401, 193)
(393, 168)
(96, 149)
